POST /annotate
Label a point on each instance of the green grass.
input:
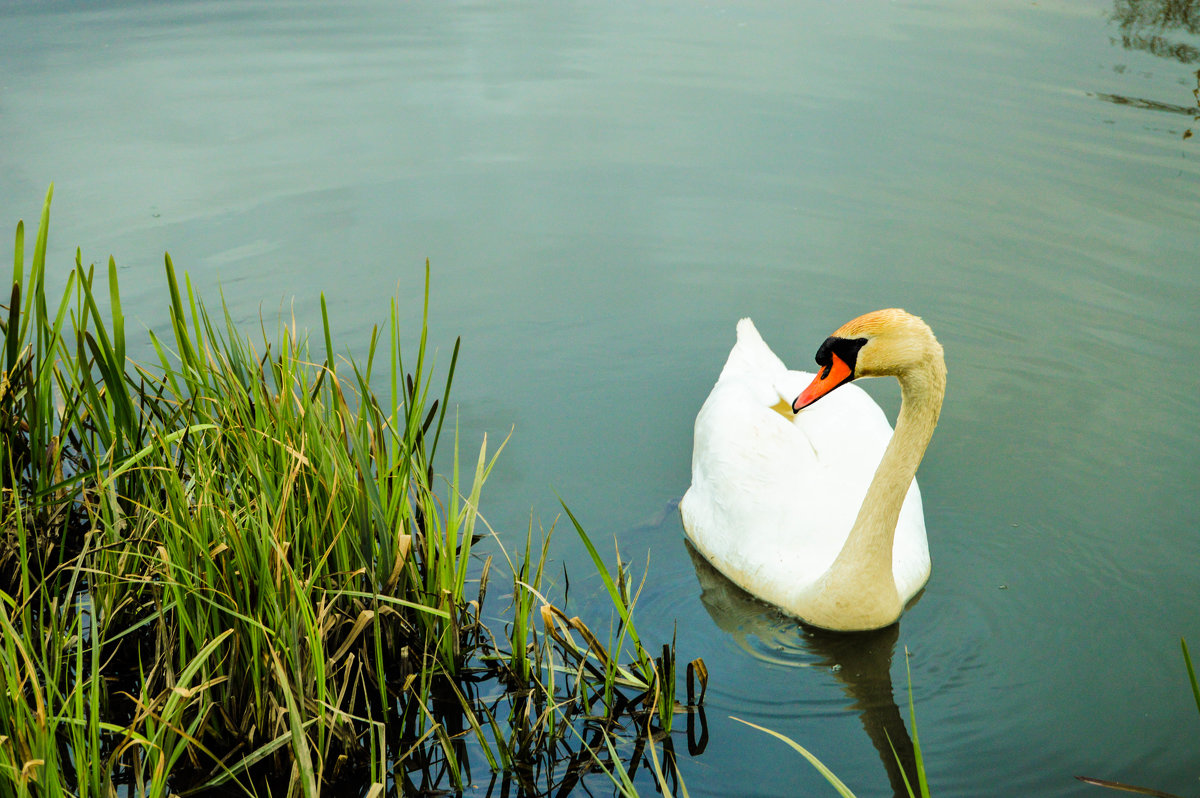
(238, 567)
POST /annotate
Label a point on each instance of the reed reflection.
(860, 662)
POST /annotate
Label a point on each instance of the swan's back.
(774, 494)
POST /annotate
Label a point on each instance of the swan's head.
(885, 342)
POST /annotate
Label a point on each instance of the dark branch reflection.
(861, 662)
(1149, 105)
(1143, 24)
(1147, 25)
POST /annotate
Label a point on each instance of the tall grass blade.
(1187, 660)
(613, 591)
(841, 788)
(19, 254)
(37, 267)
(922, 783)
(12, 339)
(118, 318)
(299, 740)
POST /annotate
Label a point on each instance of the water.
(604, 189)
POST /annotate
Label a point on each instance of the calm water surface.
(604, 189)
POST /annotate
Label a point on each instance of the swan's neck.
(859, 589)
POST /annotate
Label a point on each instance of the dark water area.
(604, 189)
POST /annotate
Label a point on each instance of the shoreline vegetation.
(237, 571)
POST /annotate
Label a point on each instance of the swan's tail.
(751, 355)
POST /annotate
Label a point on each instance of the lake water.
(603, 189)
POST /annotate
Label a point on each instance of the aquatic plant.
(238, 568)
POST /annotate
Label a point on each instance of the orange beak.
(835, 374)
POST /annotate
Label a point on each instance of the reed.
(238, 568)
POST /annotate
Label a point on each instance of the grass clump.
(238, 569)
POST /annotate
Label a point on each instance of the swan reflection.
(860, 662)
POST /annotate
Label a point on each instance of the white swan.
(818, 512)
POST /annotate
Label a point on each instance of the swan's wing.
(773, 498)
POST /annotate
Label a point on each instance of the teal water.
(604, 189)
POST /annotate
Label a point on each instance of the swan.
(814, 507)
